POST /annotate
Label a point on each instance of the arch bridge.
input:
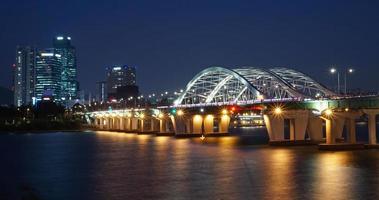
(213, 98)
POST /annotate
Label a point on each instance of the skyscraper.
(118, 76)
(24, 75)
(121, 82)
(48, 74)
(69, 84)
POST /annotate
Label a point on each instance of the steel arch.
(217, 84)
(302, 83)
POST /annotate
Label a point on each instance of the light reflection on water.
(108, 165)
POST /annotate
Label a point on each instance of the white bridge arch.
(222, 85)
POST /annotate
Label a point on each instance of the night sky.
(170, 41)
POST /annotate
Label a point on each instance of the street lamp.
(346, 71)
(350, 71)
(333, 71)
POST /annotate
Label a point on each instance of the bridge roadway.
(314, 117)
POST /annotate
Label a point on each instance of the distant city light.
(59, 38)
(47, 54)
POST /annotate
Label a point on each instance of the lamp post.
(334, 71)
(346, 71)
(350, 71)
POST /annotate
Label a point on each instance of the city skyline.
(226, 34)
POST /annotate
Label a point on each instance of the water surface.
(106, 165)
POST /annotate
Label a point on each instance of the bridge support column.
(330, 135)
(371, 115)
(122, 124)
(208, 124)
(223, 126)
(153, 124)
(372, 129)
(116, 123)
(142, 125)
(315, 128)
(197, 124)
(275, 127)
(109, 123)
(128, 124)
(163, 126)
(101, 123)
(134, 123)
(298, 123)
(179, 124)
(351, 130)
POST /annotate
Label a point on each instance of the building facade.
(69, 85)
(101, 91)
(48, 74)
(118, 76)
(24, 75)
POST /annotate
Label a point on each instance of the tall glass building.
(24, 75)
(48, 74)
(69, 85)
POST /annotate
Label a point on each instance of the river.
(107, 165)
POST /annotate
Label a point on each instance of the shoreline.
(43, 131)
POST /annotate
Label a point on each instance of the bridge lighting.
(160, 115)
(181, 90)
(180, 112)
(201, 109)
(166, 92)
(328, 112)
(224, 111)
(278, 110)
(142, 115)
(129, 115)
(346, 109)
(202, 137)
(350, 70)
(333, 70)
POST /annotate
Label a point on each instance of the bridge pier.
(371, 115)
(334, 124)
(163, 125)
(200, 124)
(315, 128)
(298, 122)
(134, 124)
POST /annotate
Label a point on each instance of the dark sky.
(170, 41)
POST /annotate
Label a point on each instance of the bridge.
(283, 96)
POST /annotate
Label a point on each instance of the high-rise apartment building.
(48, 72)
(24, 75)
(69, 84)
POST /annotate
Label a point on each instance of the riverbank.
(43, 126)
